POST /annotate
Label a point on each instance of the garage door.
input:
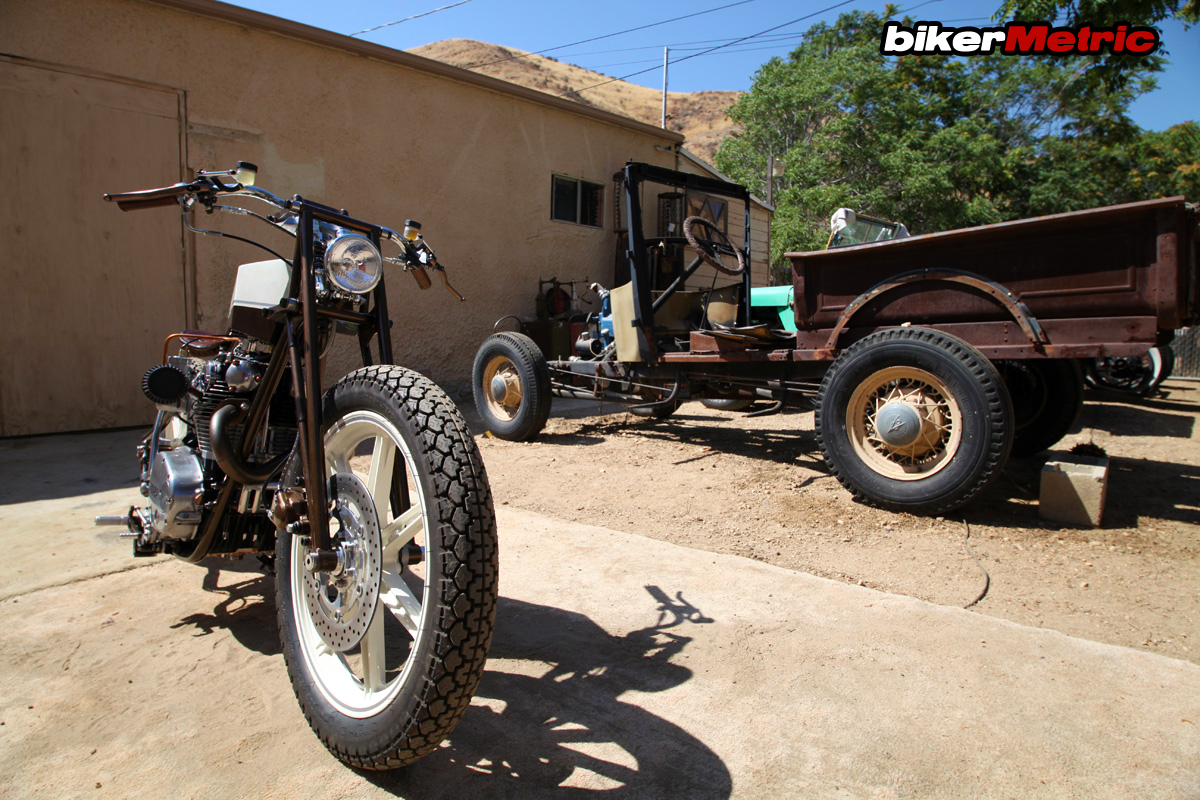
(88, 292)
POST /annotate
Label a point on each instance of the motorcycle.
(370, 501)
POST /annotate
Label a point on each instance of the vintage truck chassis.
(929, 359)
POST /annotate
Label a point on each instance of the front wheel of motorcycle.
(413, 514)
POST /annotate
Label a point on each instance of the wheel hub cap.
(342, 602)
(499, 388)
(898, 424)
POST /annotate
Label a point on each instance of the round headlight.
(353, 263)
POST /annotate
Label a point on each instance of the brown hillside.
(700, 116)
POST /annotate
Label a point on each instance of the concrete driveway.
(620, 664)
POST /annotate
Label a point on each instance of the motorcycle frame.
(299, 350)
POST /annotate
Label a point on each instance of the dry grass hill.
(700, 116)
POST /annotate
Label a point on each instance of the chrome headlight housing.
(353, 263)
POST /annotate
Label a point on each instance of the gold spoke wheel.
(904, 423)
(504, 392)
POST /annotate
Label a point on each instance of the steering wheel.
(714, 243)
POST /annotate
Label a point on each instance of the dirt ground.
(757, 487)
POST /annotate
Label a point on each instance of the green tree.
(939, 142)
(1101, 12)
(1111, 71)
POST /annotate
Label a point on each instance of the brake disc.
(342, 602)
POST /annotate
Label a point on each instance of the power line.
(609, 35)
(414, 16)
(778, 40)
(779, 37)
(673, 45)
(713, 49)
(772, 44)
(657, 61)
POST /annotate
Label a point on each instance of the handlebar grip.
(149, 198)
(421, 277)
(138, 205)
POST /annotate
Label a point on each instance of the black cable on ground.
(987, 579)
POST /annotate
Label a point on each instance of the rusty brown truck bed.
(1106, 281)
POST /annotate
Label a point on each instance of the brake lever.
(449, 288)
(430, 260)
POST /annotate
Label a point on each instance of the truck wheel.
(661, 412)
(1137, 375)
(1047, 396)
(912, 419)
(654, 395)
(511, 383)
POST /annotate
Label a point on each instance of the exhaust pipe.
(227, 457)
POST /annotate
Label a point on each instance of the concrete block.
(1073, 490)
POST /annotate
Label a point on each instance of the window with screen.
(712, 209)
(576, 200)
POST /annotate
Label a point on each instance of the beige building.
(116, 95)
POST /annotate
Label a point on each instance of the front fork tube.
(303, 352)
(312, 448)
(400, 498)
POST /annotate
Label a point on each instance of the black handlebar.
(208, 184)
(150, 198)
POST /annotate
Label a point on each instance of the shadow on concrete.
(68, 465)
(247, 610)
(564, 731)
(561, 731)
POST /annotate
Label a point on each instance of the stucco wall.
(387, 141)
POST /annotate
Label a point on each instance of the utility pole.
(771, 180)
(666, 50)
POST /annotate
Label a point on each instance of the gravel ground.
(757, 487)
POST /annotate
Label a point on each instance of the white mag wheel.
(414, 527)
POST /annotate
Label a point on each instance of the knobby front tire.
(396, 695)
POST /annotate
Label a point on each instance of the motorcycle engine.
(180, 474)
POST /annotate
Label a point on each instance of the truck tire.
(948, 417)
(511, 384)
(659, 412)
(1136, 375)
(1047, 396)
(654, 395)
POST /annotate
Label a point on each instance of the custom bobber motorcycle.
(370, 499)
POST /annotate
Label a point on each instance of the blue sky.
(537, 25)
